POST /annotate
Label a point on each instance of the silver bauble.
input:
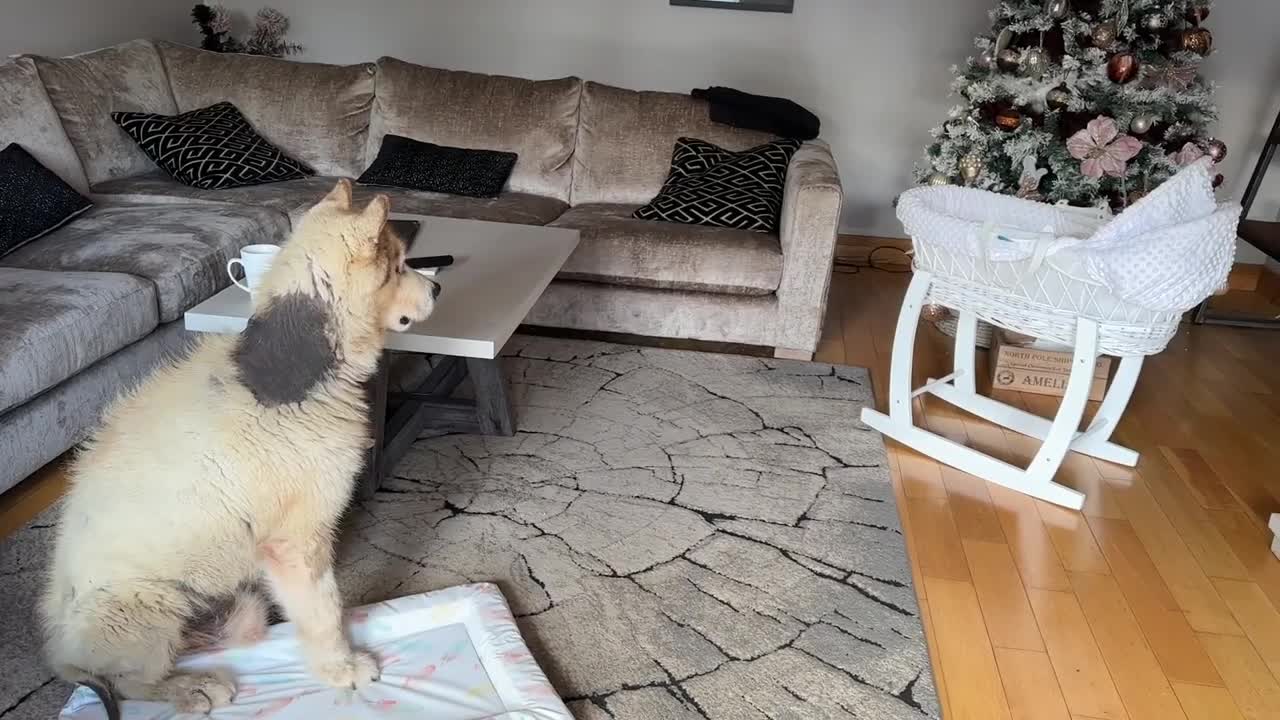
(1003, 39)
(1057, 9)
(1034, 62)
(1142, 124)
(986, 59)
(937, 179)
(1155, 22)
(1104, 35)
(1216, 149)
(1058, 98)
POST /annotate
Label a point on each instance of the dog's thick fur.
(228, 472)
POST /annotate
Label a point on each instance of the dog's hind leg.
(247, 621)
(130, 645)
(301, 576)
(189, 692)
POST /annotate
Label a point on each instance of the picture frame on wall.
(778, 6)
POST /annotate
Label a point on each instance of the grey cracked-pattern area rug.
(681, 535)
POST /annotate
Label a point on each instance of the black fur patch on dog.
(285, 351)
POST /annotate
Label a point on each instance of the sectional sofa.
(94, 305)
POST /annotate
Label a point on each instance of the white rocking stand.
(1059, 435)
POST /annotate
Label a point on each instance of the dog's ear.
(373, 218)
(340, 195)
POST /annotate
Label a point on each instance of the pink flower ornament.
(1102, 149)
(1189, 153)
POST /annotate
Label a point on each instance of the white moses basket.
(1105, 285)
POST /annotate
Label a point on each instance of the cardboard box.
(1039, 370)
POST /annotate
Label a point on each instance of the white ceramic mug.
(256, 260)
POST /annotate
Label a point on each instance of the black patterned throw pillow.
(407, 163)
(210, 148)
(33, 199)
(708, 185)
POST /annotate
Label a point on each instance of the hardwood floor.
(1161, 601)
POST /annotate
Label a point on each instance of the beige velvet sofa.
(104, 295)
(589, 154)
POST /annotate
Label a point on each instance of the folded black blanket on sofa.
(759, 112)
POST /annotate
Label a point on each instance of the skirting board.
(1275, 529)
(856, 250)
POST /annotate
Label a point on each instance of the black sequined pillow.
(406, 163)
(708, 185)
(33, 199)
(210, 148)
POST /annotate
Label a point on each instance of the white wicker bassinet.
(1102, 285)
(1035, 268)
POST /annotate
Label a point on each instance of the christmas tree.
(1091, 102)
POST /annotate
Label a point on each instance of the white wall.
(875, 71)
(62, 27)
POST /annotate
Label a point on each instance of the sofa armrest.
(811, 205)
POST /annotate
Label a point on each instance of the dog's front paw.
(354, 671)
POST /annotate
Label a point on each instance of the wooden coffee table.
(499, 271)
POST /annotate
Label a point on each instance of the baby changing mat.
(453, 654)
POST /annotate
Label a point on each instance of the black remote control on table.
(431, 261)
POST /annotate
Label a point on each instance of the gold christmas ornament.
(1216, 149)
(1057, 9)
(1058, 98)
(970, 167)
(1104, 35)
(1034, 62)
(1008, 119)
(934, 312)
(1142, 124)
(938, 179)
(1008, 59)
(1197, 40)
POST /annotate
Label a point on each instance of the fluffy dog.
(228, 472)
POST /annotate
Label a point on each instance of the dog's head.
(352, 254)
(331, 293)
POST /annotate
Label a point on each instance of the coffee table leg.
(493, 406)
(371, 478)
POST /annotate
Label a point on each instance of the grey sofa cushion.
(87, 88)
(294, 197)
(625, 139)
(182, 249)
(314, 112)
(57, 323)
(536, 119)
(42, 428)
(618, 249)
(27, 118)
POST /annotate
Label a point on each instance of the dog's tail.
(100, 687)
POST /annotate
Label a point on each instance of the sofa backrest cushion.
(28, 119)
(626, 137)
(87, 88)
(314, 112)
(536, 119)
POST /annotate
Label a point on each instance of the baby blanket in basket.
(1164, 254)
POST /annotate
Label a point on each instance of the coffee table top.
(499, 271)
